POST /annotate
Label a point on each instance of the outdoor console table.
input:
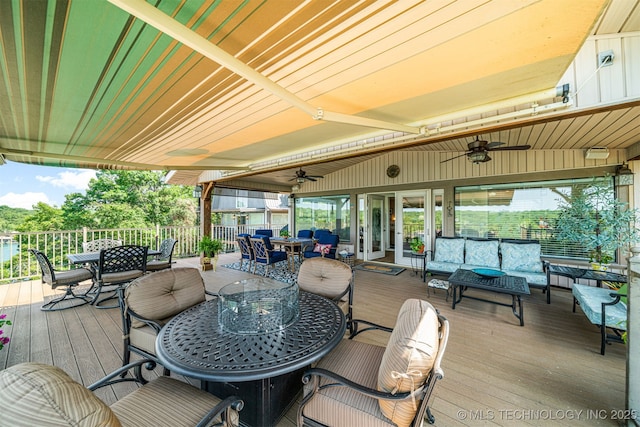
(510, 285)
(252, 357)
(576, 273)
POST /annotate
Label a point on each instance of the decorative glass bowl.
(255, 306)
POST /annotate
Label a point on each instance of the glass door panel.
(376, 228)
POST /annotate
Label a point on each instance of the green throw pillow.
(623, 291)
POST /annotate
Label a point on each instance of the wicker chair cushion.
(121, 276)
(34, 394)
(326, 277)
(409, 357)
(155, 265)
(164, 402)
(342, 406)
(144, 337)
(164, 294)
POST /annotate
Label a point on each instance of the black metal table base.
(516, 303)
(265, 401)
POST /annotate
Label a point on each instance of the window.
(328, 212)
(519, 211)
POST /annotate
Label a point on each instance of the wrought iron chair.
(99, 244)
(70, 279)
(150, 301)
(246, 251)
(45, 395)
(264, 253)
(163, 261)
(331, 279)
(118, 266)
(361, 384)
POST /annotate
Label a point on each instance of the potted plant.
(592, 217)
(417, 245)
(210, 249)
(285, 234)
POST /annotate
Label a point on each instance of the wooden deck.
(549, 372)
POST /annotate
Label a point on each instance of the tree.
(44, 218)
(595, 219)
(10, 218)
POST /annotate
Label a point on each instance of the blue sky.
(22, 185)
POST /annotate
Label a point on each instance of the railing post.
(633, 336)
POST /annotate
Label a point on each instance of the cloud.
(77, 180)
(24, 200)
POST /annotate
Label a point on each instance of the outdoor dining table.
(294, 246)
(264, 367)
(94, 257)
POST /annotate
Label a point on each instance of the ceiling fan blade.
(310, 178)
(491, 145)
(314, 176)
(464, 154)
(513, 147)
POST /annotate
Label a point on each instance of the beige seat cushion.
(326, 277)
(409, 357)
(163, 294)
(33, 394)
(164, 402)
(341, 406)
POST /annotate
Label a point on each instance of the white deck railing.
(18, 264)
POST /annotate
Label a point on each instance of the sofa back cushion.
(482, 252)
(408, 358)
(162, 295)
(449, 250)
(521, 256)
(43, 395)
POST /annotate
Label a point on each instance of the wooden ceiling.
(87, 84)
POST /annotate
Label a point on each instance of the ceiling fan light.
(477, 157)
(300, 180)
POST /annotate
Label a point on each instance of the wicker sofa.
(514, 257)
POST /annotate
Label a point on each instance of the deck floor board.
(496, 372)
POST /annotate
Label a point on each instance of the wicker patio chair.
(98, 244)
(331, 279)
(246, 251)
(35, 394)
(360, 384)
(163, 261)
(150, 301)
(118, 266)
(325, 246)
(264, 253)
(70, 279)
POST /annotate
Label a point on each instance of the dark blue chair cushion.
(267, 241)
(265, 232)
(305, 234)
(324, 239)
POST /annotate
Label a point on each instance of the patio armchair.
(118, 266)
(325, 246)
(36, 394)
(69, 279)
(99, 244)
(305, 234)
(246, 251)
(162, 261)
(265, 253)
(150, 301)
(361, 384)
(331, 279)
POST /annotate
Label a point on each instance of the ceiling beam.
(174, 29)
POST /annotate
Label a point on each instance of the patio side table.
(419, 262)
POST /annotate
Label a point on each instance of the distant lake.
(8, 249)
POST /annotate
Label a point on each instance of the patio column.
(633, 335)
